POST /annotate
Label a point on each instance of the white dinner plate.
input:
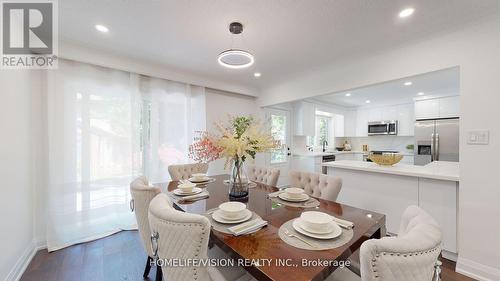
(205, 179)
(219, 218)
(195, 190)
(303, 197)
(336, 231)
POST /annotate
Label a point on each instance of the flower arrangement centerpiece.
(237, 140)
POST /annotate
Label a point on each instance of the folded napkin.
(343, 223)
(199, 196)
(247, 227)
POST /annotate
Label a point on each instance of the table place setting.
(293, 197)
(188, 192)
(199, 179)
(316, 231)
(234, 218)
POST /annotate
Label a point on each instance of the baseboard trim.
(476, 270)
(22, 263)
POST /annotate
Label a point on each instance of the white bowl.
(317, 222)
(199, 176)
(294, 192)
(232, 209)
(186, 187)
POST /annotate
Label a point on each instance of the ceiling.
(432, 85)
(287, 37)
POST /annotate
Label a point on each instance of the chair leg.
(148, 267)
(159, 273)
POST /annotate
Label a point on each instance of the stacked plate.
(317, 225)
(199, 178)
(186, 189)
(232, 212)
(293, 194)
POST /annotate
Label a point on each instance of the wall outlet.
(478, 137)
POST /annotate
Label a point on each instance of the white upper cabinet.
(362, 116)
(339, 125)
(374, 114)
(449, 107)
(406, 119)
(437, 108)
(350, 123)
(427, 109)
(304, 118)
(390, 113)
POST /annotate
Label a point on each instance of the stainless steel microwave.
(389, 127)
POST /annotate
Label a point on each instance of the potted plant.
(410, 147)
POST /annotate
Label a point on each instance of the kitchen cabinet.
(310, 164)
(406, 119)
(339, 125)
(362, 123)
(304, 118)
(375, 114)
(350, 123)
(437, 108)
(390, 113)
(449, 107)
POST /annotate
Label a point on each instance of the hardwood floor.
(118, 257)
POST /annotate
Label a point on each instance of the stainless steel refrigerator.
(436, 140)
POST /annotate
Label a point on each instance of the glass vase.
(238, 180)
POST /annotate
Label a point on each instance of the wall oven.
(389, 127)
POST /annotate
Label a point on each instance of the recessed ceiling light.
(367, 101)
(408, 83)
(420, 93)
(101, 28)
(348, 94)
(406, 12)
(257, 74)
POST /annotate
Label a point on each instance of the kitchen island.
(390, 189)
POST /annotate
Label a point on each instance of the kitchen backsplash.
(398, 143)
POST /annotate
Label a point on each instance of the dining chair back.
(412, 255)
(265, 175)
(180, 236)
(317, 185)
(184, 171)
(142, 194)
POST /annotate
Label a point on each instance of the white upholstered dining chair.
(180, 235)
(184, 171)
(317, 185)
(265, 175)
(412, 255)
(142, 194)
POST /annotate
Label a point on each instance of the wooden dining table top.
(265, 245)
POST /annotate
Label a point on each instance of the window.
(278, 130)
(323, 130)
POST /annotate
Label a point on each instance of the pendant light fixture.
(235, 58)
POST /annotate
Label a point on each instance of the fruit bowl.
(386, 159)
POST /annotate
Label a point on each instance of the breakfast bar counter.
(390, 189)
(440, 170)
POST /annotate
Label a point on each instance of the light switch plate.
(478, 137)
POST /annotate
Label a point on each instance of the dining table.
(266, 244)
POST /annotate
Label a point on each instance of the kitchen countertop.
(440, 170)
(320, 153)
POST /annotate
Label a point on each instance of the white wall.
(476, 51)
(218, 105)
(17, 163)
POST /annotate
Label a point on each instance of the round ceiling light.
(235, 58)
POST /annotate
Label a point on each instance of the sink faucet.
(325, 144)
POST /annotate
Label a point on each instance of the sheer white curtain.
(105, 127)
(175, 111)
